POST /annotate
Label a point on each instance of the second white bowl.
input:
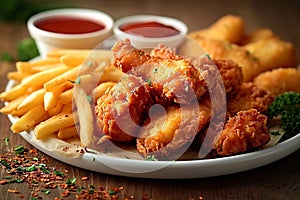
(140, 41)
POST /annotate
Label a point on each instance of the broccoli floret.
(287, 107)
(27, 49)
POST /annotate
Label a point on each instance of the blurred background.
(282, 16)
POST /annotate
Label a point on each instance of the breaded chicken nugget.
(257, 35)
(279, 81)
(231, 74)
(172, 77)
(123, 108)
(169, 133)
(242, 133)
(249, 96)
(272, 53)
(218, 49)
(229, 28)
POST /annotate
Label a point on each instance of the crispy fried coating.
(249, 96)
(123, 108)
(172, 77)
(257, 35)
(231, 74)
(168, 134)
(279, 81)
(272, 53)
(220, 49)
(242, 133)
(229, 28)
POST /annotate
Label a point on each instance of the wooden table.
(278, 180)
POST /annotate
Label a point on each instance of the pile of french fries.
(42, 96)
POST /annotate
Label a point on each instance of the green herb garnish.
(287, 108)
(71, 181)
(151, 158)
(20, 149)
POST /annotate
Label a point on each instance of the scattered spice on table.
(25, 165)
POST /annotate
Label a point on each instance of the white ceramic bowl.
(150, 42)
(47, 41)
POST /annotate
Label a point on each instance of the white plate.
(170, 169)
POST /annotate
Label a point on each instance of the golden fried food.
(123, 108)
(172, 77)
(170, 132)
(219, 49)
(244, 132)
(229, 28)
(279, 81)
(249, 96)
(231, 74)
(257, 35)
(272, 53)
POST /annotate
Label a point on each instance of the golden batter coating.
(242, 133)
(123, 108)
(279, 81)
(249, 96)
(168, 134)
(172, 77)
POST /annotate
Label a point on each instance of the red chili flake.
(3, 182)
(65, 193)
(13, 191)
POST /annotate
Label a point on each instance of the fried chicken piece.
(242, 133)
(279, 81)
(220, 49)
(249, 96)
(171, 131)
(231, 74)
(123, 108)
(172, 77)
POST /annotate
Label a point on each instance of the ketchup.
(151, 29)
(69, 25)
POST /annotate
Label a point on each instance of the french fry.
(57, 53)
(62, 81)
(12, 105)
(66, 96)
(29, 119)
(101, 88)
(37, 80)
(72, 60)
(85, 116)
(111, 74)
(26, 67)
(50, 100)
(67, 133)
(55, 110)
(32, 100)
(53, 124)
(17, 76)
(67, 108)
(14, 93)
(41, 68)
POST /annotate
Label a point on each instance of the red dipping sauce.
(69, 25)
(149, 29)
